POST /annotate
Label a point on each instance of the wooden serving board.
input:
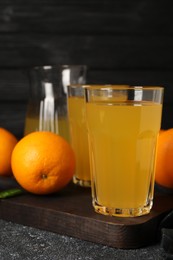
(70, 212)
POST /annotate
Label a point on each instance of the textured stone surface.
(21, 242)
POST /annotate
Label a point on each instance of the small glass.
(47, 105)
(78, 134)
(123, 125)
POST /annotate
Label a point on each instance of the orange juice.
(58, 126)
(79, 138)
(122, 141)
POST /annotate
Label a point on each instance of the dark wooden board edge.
(70, 213)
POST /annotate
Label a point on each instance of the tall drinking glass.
(123, 126)
(47, 105)
(78, 134)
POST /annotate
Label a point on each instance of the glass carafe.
(47, 104)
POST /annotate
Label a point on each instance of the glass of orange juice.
(47, 104)
(78, 134)
(123, 125)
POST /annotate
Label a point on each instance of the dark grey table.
(25, 243)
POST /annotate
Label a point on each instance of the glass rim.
(121, 87)
(96, 86)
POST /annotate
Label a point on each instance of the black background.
(121, 42)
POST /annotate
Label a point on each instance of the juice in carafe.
(58, 126)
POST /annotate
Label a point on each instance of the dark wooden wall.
(121, 41)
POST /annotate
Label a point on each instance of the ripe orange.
(43, 162)
(164, 161)
(7, 144)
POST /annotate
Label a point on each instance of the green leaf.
(10, 193)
